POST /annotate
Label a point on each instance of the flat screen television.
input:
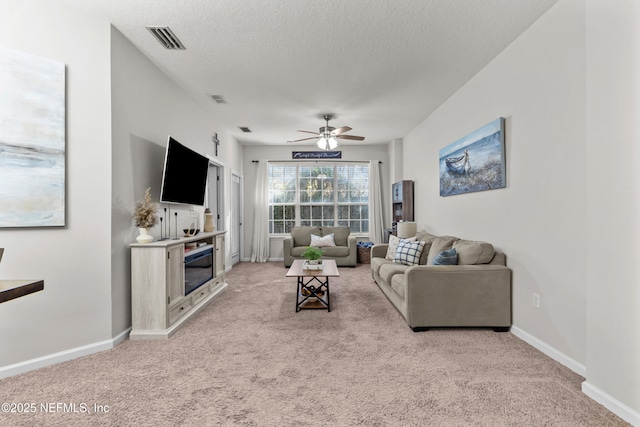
(184, 177)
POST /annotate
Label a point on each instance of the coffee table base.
(320, 292)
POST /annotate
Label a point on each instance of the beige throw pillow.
(394, 241)
(472, 252)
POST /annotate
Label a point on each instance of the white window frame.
(336, 203)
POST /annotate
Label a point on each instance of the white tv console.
(159, 305)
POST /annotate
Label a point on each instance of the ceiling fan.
(328, 136)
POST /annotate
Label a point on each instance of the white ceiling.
(380, 66)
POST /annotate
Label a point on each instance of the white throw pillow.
(394, 241)
(408, 253)
(321, 242)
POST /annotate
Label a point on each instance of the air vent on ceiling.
(165, 36)
(218, 99)
(244, 129)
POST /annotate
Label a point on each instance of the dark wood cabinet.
(402, 201)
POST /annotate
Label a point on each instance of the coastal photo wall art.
(475, 162)
(32, 140)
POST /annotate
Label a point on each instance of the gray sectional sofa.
(344, 252)
(476, 292)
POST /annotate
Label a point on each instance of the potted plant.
(312, 254)
(144, 217)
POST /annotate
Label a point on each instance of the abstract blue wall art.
(32, 140)
(475, 162)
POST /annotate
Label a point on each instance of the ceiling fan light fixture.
(333, 143)
(322, 143)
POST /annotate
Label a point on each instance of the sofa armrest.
(287, 245)
(458, 295)
(379, 251)
(352, 244)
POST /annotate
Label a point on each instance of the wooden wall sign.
(316, 154)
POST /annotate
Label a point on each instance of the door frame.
(238, 217)
(220, 221)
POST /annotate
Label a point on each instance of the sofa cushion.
(377, 262)
(302, 235)
(398, 285)
(321, 242)
(387, 271)
(446, 257)
(428, 239)
(393, 245)
(335, 251)
(340, 234)
(408, 253)
(471, 252)
(297, 251)
(440, 244)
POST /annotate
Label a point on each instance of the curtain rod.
(325, 161)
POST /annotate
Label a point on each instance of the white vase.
(144, 236)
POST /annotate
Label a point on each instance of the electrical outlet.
(536, 300)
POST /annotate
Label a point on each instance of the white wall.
(568, 219)
(613, 218)
(75, 307)
(276, 153)
(538, 85)
(147, 106)
(120, 109)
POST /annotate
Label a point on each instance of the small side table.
(12, 289)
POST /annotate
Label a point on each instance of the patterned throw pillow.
(448, 257)
(321, 242)
(393, 245)
(408, 253)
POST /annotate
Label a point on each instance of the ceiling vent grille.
(218, 99)
(245, 129)
(166, 38)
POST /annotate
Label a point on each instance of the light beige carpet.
(249, 359)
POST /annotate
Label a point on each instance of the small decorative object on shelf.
(144, 217)
(188, 232)
(208, 221)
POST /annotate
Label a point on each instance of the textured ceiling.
(380, 66)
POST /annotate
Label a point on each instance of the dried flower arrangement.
(145, 214)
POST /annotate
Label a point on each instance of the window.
(320, 194)
(282, 198)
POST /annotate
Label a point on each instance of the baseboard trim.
(593, 392)
(612, 404)
(62, 356)
(556, 355)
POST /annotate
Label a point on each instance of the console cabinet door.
(220, 261)
(175, 273)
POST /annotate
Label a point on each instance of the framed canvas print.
(475, 162)
(32, 140)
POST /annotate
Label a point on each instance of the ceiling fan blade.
(303, 139)
(353, 137)
(306, 131)
(338, 131)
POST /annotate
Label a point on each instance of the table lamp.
(407, 229)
